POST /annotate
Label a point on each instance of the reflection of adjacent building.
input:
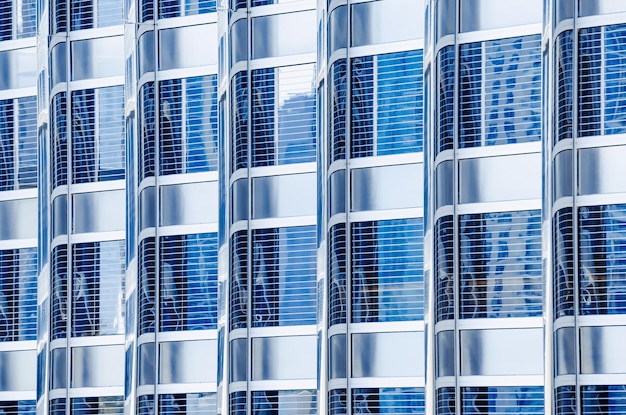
(18, 207)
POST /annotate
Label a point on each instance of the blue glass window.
(239, 280)
(237, 404)
(337, 295)
(187, 403)
(58, 16)
(501, 264)
(57, 406)
(201, 124)
(176, 8)
(615, 73)
(239, 130)
(565, 401)
(589, 82)
(98, 270)
(83, 132)
(263, 103)
(337, 402)
(58, 127)
(58, 321)
(146, 124)
(284, 267)
(605, 399)
(444, 113)
(113, 405)
(170, 127)
(18, 123)
(82, 14)
(512, 91)
(18, 294)
(6, 27)
(147, 10)
(188, 282)
(446, 401)
(387, 262)
(145, 405)
(7, 151)
(602, 260)
(388, 401)
(284, 402)
(563, 263)
(444, 268)
(362, 107)
(147, 285)
(338, 107)
(564, 86)
(503, 399)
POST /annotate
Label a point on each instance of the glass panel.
(146, 127)
(147, 285)
(284, 402)
(590, 82)
(503, 399)
(18, 294)
(27, 142)
(444, 268)
(445, 403)
(605, 399)
(239, 280)
(188, 403)
(563, 263)
(388, 400)
(110, 405)
(614, 74)
(7, 148)
(444, 113)
(58, 127)
(58, 289)
(338, 107)
(337, 295)
(564, 86)
(239, 123)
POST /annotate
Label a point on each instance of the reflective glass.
(18, 294)
(444, 113)
(563, 263)
(388, 401)
(590, 82)
(337, 402)
(27, 142)
(170, 127)
(147, 285)
(58, 292)
(7, 151)
(146, 127)
(284, 402)
(614, 74)
(337, 295)
(603, 399)
(237, 404)
(446, 401)
(239, 122)
(503, 399)
(563, 86)
(58, 128)
(238, 303)
(338, 108)
(113, 405)
(565, 400)
(444, 268)
(187, 403)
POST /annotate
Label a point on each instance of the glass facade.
(312, 207)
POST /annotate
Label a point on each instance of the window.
(337, 295)
(18, 294)
(589, 81)
(58, 127)
(98, 270)
(113, 405)
(98, 147)
(602, 260)
(605, 399)
(147, 285)
(87, 14)
(239, 126)
(506, 88)
(197, 149)
(284, 402)
(503, 399)
(57, 406)
(238, 305)
(18, 19)
(337, 402)
(188, 282)
(145, 405)
(388, 400)
(501, 265)
(444, 114)
(187, 403)
(563, 85)
(446, 401)
(284, 267)
(18, 125)
(444, 268)
(338, 107)
(387, 262)
(387, 104)
(18, 407)
(58, 293)
(237, 403)
(146, 127)
(283, 115)
(563, 263)
(175, 8)
(58, 16)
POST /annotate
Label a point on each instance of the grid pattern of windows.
(502, 400)
(188, 282)
(176, 8)
(112, 405)
(444, 268)
(18, 143)
(17, 19)
(563, 263)
(18, 294)
(602, 259)
(187, 404)
(337, 295)
(98, 148)
(501, 264)
(387, 262)
(283, 115)
(284, 402)
(238, 310)
(190, 106)
(284, 265)
(386, 104)
(388, 400)
(97, 288)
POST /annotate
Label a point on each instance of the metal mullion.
(249, 138)
(157, 210)
(455, 224)
(70, 202)
(347, 230)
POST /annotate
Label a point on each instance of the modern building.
(298, 207)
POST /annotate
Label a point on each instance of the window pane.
(170, 127)
(111, 145)
(83, 136)
(7, 152)
(284, 402)
(563, 263)
(239, 280)
(388, 400)
(27, 142)
(444, 268)
(337, 125)
(337, 295)
(201, 124)
(503, 399)
(146, 286)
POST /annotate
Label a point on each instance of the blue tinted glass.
(337, 125)
(83, 136)
(501, 264)
(82, 14)
(470, 95)
(337, 295)
(58, 126)
(147, 10)
(222, 173)
(239, 280)
(602, 259)
(284, 402)
(57, 406)
(563, 263)
(201, 124)
(589, 81)
(387, 262)
(507, 399)
(362, 107)
(388, 401)
(239, 137)
(170, 127)
(284, 266)
(58, 17)
(6, 24)
(565, 401)
(605, 399)
(111, 147)
(400, 100)
(27, 142)
(147, 285)
(188, 282)
(237, 403)
(18, 294)
(189, 403)
(146, 128)
(564, 86)
(263, 91)
(169, 8)
(7, 152)
(86, 406)
(615, 72)
(445, 110)
(445, 401)
(337, 402)
(200, 6)
(444, 268)
(59, 292)
(145, 405)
